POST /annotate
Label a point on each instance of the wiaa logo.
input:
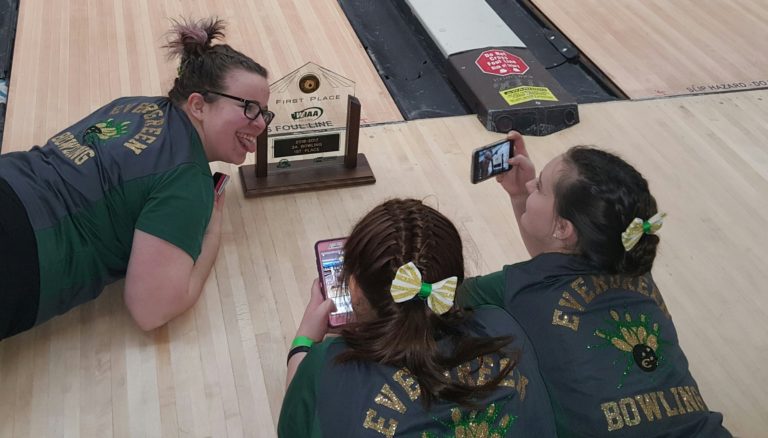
(308, 114)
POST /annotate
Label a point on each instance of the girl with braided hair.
(128, 186)
(412, 364)
(603, 338)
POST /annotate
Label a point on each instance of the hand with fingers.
(314, 324)
(522, 168)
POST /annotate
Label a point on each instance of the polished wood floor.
(73, 56)
(655, 48)
(218, 370)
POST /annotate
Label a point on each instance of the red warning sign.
(501, 63)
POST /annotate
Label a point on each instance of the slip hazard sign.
(501, 63)
(518, 95)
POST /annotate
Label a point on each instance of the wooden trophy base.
(305, 175)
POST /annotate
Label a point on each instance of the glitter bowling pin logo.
(638, 340)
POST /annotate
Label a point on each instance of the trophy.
(312, 142)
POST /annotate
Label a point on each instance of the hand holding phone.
(522, 169)
(220, 181)
(490, 160)
(330, 261)
(314, 323)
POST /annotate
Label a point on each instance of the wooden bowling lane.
(659, 48)
(218, 370)
(74, 56)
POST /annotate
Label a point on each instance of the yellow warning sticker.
(518, 95)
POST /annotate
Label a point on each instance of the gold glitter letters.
(649, 405)
(697, 396)
(627, 405)
(386, 397)
(486, 364)
(600, 285)
(671, 412)
(568, 301)
(560, 318)
(514, 379)
(581, 289)
(624, 412)
(464, 371)
(612, 416)
(409, 384)
(378, 426)
(474, 372)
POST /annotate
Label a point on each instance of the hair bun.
(192, 38)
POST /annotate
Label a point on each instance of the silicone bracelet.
(294, 350)
(302, 341)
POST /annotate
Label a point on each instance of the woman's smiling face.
(539, 221)
(227, 134)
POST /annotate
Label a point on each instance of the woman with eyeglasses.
(128, 192)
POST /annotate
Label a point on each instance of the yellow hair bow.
(638, 227)
(407, 284)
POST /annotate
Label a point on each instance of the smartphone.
(490, 160)
(330, 261)
(220, 181)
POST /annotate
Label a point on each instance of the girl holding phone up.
(603, 337)
(412, 363)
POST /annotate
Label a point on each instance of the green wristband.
(302, 341)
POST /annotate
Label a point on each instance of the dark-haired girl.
(603, 337)
(127, 191)
(412, 364)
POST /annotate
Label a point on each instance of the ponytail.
(406, 334)
(601, 195)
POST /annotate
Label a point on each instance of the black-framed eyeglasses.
(251, 108)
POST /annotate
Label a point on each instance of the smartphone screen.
(330, 261)
(490, 160)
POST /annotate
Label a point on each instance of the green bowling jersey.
(136, 163)
(606, 347)
(367, 399)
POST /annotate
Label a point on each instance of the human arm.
(314, 325)
(162, 280)
(299, 416)
(478, 291)
(514, 181)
